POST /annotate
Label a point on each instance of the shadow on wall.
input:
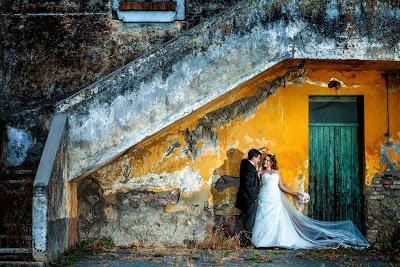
(91, 204)
(224, 193)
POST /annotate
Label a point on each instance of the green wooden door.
(335, 183)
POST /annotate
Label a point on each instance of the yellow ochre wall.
(280, 122)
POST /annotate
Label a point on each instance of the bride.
(278, 224)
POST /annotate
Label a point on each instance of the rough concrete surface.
(51, 49)
(123, 216)
(243, 257)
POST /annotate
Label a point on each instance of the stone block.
(376, 181)
(389, 203)
(386, 235)
(382, 192)
(386, 181)
(136, 198)
(377, 197)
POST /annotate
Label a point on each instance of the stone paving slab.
(243, 257)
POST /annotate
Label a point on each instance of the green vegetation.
(257, 257)
(84, 248)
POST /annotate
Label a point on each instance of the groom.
(248, 192)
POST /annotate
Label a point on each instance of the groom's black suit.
(247, 195)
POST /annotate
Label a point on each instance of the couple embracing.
(269, 219)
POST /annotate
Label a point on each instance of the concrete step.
(15, 250)
(15, 253)
(18, 257)
(17, 174)
(16, 205)
(15, 226)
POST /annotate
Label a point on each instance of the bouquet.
(303, 198)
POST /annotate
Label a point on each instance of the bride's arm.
(263, 150)
(284, 188)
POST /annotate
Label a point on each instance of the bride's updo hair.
(274, 162)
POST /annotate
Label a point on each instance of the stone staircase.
(16, 187)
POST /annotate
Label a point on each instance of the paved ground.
(243, 257)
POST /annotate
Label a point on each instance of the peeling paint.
(170, 83)
(390, 156)
(18, 145)
(332, 11)
(172, 148)
(220, 134)
(185, 180)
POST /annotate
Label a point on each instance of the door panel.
(347, 168)
(334, 163)
(322, 173)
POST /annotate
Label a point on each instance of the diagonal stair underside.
(154, 91)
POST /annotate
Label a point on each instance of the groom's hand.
(263, 150)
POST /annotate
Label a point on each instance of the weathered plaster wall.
(18, 144)
(191, 169)
(199, 10)
(51, 49)
(383, 196)
(152, 92)
(26, 6)
(46, 58)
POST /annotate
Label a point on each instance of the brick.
(386, 182)
(395, 193)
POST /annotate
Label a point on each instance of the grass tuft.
(82, 249)
(254, 256)
(218, 239)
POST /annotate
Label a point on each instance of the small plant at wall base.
(257, 257)
(101, 245)
(83, 249)
(218, 238)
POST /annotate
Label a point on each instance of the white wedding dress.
(278, 224)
